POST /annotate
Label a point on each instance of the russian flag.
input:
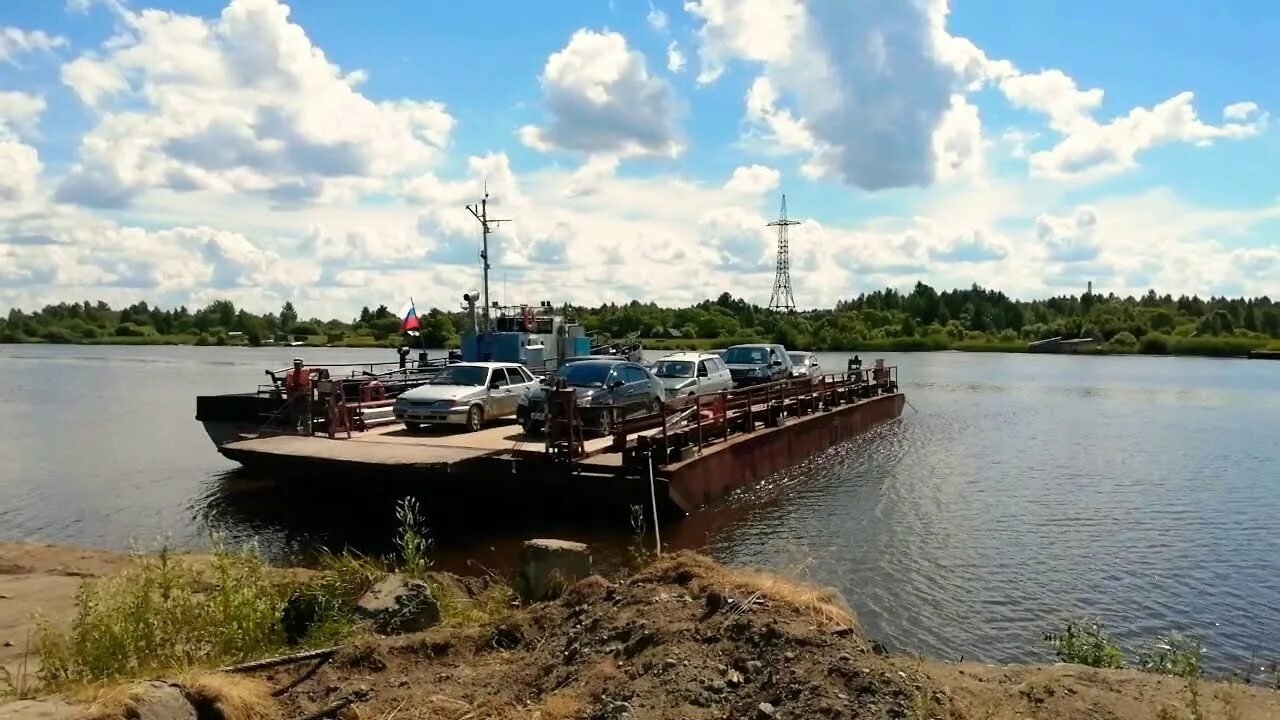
(409, 318)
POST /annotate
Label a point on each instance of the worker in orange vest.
(297, 387)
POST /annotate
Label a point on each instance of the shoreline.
(680, 637)
(1227, 348)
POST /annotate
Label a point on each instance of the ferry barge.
(677, 456)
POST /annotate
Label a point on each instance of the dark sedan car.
(599, 384)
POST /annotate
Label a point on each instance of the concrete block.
(549, 567)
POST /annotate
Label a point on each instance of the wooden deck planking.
(318, 448)
(393, 445)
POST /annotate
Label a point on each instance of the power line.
(782, 297)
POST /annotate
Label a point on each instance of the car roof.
(799, 352)
(489, 365)
(595, 358)
(689, 355)
(756, 345)
(603, 361)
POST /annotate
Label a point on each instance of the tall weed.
(1084, 642)
(412, 541)
(1174, 654)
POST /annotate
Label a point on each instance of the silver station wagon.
(466, 394)
(690, 373)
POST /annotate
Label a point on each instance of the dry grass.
(561, 706)
(491, 605)
(230, 697)
(113, 702)
(823, 605)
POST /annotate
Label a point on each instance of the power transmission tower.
(482, 214)
(782, 297)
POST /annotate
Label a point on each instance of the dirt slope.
(687, 639)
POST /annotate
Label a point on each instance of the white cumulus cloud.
(1240, 110)
(15, 42)
(758, 30)
(210, 132)
(1090, 150)
(241, 103)
(656, 18)
(675, 58)
(602, 99)
(873, 85)
(753, 180)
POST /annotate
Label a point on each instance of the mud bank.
(683, 638)
(38, 578)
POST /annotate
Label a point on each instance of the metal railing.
(694, 422)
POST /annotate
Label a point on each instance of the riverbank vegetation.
(166, 613)
(680, 637)
(974, 319)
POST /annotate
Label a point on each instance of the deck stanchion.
(653, 500)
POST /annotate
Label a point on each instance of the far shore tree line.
(975, 318)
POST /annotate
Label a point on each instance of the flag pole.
(421, 338)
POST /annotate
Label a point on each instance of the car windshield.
(461, 375)
(798, 358)
(585, 374)
(746, 356)
(673, 369)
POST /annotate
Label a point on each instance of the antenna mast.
(782, 297)
(486, 226)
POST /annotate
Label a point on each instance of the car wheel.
(475, 418)
(656, 407)
(413, 427)
(531, 426)
(606, 423)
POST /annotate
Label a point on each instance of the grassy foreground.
(680, 637)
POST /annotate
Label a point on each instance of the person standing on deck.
(297, 387)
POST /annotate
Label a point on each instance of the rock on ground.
(161, 701)
(549, 567)
(398, 604)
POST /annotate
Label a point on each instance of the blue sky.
(184, 151)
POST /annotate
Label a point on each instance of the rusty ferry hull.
(747, 459)
(502, 469)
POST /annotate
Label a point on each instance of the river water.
(1024, 490)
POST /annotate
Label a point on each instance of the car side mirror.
(776, 363)
(495, 386)
(616, 384)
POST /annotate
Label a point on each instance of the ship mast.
(487, 225)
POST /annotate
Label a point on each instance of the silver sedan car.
(466, 394)
(804, 364)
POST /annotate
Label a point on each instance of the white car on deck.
(691, 373)
(804, 364)
(466, 394)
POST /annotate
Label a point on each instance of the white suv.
(692, 373)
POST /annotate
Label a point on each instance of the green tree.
(288, 317)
